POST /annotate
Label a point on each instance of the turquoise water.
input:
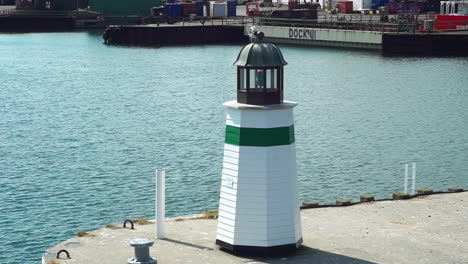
(83, 126)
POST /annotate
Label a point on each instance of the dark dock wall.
(148, 35)
(427, 44)
(36, 24)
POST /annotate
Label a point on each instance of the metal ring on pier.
(64, 251)
(128, 221)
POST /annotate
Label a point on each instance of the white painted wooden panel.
(259, 171)
(255, 234)
(226, 227)
(229, 172)
(267, 194)
(251, 218)
(251, 149)
(225, 233)
(259, 202)
(226, 239)
(227, 216)
(250, 242)
(227, 190)
(264, 213)
(226, 221)
(259, 119)
(232, 148)
(264, 186)
(231, 153)
(229, 197)
(264, 243)
(228, 203)
(283, 241)
(224, 208)
(230, 166)
(231, 160)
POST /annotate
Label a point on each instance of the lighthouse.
(259, 202)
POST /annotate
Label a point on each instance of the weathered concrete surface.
(426, 229)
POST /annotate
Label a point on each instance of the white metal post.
(413, 189)
(406, 178)
(160, 203)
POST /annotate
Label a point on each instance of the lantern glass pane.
(242, 81)
(259, 79)
(252, 80)
(271, 80)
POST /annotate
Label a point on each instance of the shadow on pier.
(307, 255)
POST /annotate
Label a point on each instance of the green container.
(123, 7)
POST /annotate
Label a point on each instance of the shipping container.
(40, 4)
(359, 5)
(231, 7)
(124, 7)
(189, 9)
(375, 4)
(66, 5)
(24, 4)
(220, 9)
(407, 7)
(200, 7)
(432, 7)
(173, 9)
(208, 9)
(7, 2)
(345, 7)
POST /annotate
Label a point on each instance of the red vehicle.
(345, 7)
(252, 9)
(453, 15)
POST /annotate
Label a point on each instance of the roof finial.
(256, 36)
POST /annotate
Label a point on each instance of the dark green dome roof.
(260, 55)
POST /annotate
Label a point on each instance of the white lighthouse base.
(259, 202)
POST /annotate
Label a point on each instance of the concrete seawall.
(35, 24)
(175, 35)
(323, 37)
(425, 229)
(449, 43)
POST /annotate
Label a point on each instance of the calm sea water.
(83, 126)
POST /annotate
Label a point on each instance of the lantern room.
(260, 73)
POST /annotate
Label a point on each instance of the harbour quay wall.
(175, 35)
(34, 24)
(321, 36)
(442, 43)
(448, 43)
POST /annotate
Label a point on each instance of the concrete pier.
(425, 229)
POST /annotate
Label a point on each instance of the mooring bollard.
(343, 202)
(366, 198)
(141, 248)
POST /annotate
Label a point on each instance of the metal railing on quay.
(47, 13)
(212, 21)
(6, 12)
(341, 25)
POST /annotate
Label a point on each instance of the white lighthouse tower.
(259, 203)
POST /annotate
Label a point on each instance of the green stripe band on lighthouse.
(259, 137)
